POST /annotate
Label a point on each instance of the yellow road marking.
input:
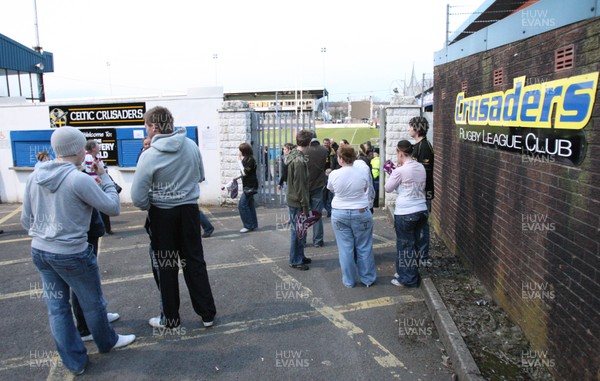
(10, 215)
(380, 354)
(242, 326)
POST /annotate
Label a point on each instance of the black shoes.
(207, 233)
(301, 267)
(306, 261)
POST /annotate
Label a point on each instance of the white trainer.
(124, 340)
(112, 316)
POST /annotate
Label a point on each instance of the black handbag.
(96, 225)
(117, 186)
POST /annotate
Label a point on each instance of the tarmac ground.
(273, 322)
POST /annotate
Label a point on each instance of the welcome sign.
(540, 119)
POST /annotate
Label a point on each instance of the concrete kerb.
(463, 363)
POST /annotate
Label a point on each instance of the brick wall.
(546, 278)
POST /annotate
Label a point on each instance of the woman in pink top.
(410, 216)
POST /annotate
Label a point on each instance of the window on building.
(14, 87)
(3, 83)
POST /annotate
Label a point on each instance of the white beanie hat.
(67, 141)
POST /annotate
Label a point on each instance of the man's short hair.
(303, 138)
(161, 117)
(419, 124)
(90, 144)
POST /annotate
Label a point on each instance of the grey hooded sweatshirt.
(168, 173)
(57, 206)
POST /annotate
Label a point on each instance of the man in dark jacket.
(317, 180)
(423, 152)
(298, 196)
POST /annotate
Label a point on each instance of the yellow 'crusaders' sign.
(561, 104)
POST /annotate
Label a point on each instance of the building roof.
(15, 56)
(268, 95)
(501, 22)
(488, 13)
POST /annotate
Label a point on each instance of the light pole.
(325, 93)
(39, 49)
(215, 58)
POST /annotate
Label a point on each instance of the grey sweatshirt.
(57, 206)
(168, 173)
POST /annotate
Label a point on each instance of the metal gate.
(270, 132)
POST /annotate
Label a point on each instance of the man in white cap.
(57, 209)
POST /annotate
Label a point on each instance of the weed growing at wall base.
(536, 359)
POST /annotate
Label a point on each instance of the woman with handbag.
(249, 186)
(92, 149)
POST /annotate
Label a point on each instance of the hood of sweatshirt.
(295, 154)
(170, 142)
(51, 174)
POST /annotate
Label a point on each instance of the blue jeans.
(296, 244)
(354, 232)
(248, 211)
(327, 198)
(205, 223)
(412, 246)
(316, 203)
(79, 272)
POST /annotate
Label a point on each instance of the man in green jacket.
(298, 196)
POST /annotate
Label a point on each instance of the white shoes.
(244, 230)
(208, 324)
(156, 323)
(112, 316)
(124, 340)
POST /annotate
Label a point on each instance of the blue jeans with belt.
(412, 246)
(79, 272)
(353, 230)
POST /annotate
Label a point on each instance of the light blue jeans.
(79, 272)
(354, 232)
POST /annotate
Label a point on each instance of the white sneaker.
(156, 323)
(244, 230)
(112, 316)
(87, 338)
(124, 340)
(208, 323)
(396, 276)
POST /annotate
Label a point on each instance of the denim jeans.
(248, 211)
(79, 272)
(205, 223)
(354, 232)
(296, 244)
(412, 246)
(327, 198)
(316, 203)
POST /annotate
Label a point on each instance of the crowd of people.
(345, 182)
(74, 191)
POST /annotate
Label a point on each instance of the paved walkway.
(273, 322)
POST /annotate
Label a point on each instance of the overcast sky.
(131, 47)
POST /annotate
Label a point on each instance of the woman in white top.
(410, 216)
(351, 220)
